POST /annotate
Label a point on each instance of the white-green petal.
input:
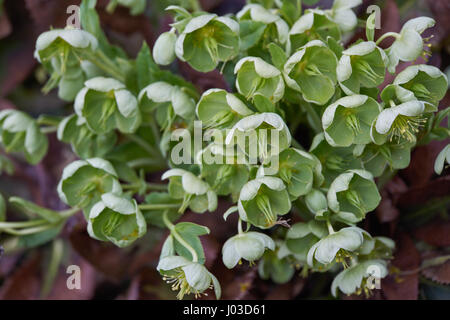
(103, 84)
(419, 24)
(262, 68)
(230, 23)
(75, 37)
(198, 22)
(387, 117)
(126, 103)
(172, 262)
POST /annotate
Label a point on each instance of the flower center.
(263, 204)
(406, 127)
(178, 282)
(343, 256)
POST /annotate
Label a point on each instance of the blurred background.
(414, 209)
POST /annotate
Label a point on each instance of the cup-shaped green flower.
(187, 277)
(334, 159)
(314, 24)
(249, 246)
(337, 246)
(220, 109)
(55, 50)
(342, 14)
(262, 200)
(84, 181)
(348, 120)
(312, 71)
(361, 65)
(162, 95)
(84, 142)
(399, 123)
(276, 29)
(20, 133)
(196, 193)
(299, 170)
(207, 40)
(302, 236)
(442, 158)
(267, 132)
(377, 157)
(164, 48)
(352, 194)
(427, 83)
(106, 104)
(353, 280)
(408, 45)
(116, 219)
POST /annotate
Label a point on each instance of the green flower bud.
(427, 83)
(187, 277)
(162, 95)
(20, 133)
(353, 280)
(314, 24)
(257, 77)
(348, 120)
(442, 158)
(207, 40)
(219, 109)
(342, 14)
(337, 246)
(302, 236)
(84, 181)
(352, 194)
(106, 104)
(249, 246)
(164, 48)
(85, 143)
(362, 65)
(196, 193)
(262, 200)
(116, 219)
(312, 71)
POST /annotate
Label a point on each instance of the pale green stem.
(386, 35)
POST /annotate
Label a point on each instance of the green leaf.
(2, 208)
(278, 55)
(263, 104)
(190, 233)
(291, 10)
(250, 33)
(31, 209)
(145, 67)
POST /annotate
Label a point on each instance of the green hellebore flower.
(302, 236)
(20, 133)
(408, 45)
(219, 109)
(276, 267)
(442, 158)
(314, 24)
(161, 95)
(258, 14)
(352, 194)
(84, 181)
(105, 104)
(342, 14)
(164, 48)
(116, 219)
(257, 77)
(196, 193)
(361, 65)
(299, 170)
(262, 200)
(269, 130)
(248, 245)
(312, 71)
(336, 246)
(354, 279)
(55, 50)
(187, 276)
(377, 157)
(401, 122)
(207, 40)
(427, 83)
(85, 143)
(348, 120)
(334, 159)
